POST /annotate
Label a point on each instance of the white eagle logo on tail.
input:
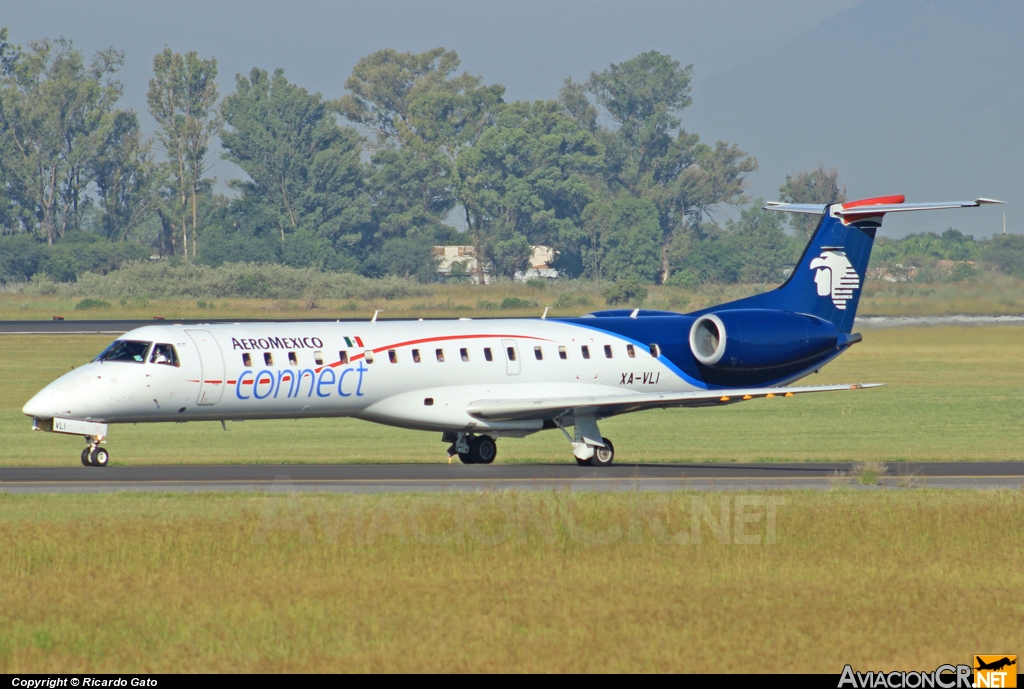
(835, 277)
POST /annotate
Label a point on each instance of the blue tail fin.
(829, 277)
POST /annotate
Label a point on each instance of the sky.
(761, 68)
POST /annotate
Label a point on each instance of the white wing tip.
(983, 201)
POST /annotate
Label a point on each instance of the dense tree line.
(365, 183)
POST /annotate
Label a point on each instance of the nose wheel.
(95, 456)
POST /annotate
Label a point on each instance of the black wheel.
(466, 458)
(603, 456)
(85, 456)
(484, 449)
(99, 457)
(583, 462)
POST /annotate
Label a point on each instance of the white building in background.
(540, 265)
(461, 260)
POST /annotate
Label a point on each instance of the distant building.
(457, 262)
(540, 265)
(460, 262)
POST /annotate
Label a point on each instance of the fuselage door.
(211, 379)
(511, 357)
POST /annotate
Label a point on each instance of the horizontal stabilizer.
(850, 209)
(610, 405)
(808, 208)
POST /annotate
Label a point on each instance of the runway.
(378, 478)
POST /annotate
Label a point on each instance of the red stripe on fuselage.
(407, 343)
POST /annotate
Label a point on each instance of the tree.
(648, 155)
(54, 113)
(629, 242)
(418, 102)
(182, 99)
(526, 178)
(817, 185)
(125, 176)
(305, 169)
(760, 242)
(1006, 254)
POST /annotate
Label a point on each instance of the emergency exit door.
(511, 357)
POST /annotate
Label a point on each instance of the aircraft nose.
(42, 405)
(59, 398)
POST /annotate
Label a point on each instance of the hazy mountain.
(920, 97)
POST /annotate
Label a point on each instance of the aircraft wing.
(611, 405)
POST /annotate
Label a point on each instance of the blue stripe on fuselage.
(670, 333)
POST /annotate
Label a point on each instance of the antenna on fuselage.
(374, 319)
(544, 316)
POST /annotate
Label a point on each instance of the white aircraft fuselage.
(413, 374)
(477, 380)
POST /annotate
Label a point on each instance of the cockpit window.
(125, 350)
(164, 354)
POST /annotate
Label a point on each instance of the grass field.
(953, 393)
(990, 294)
(507, 582)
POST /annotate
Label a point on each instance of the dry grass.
(990, 294)
(505, 582)
(952, 394)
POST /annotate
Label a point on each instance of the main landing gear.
(479, 449)
(589, 447)
(93, 455)
(602, 457)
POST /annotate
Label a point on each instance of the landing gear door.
(211, 380)
(511, 357)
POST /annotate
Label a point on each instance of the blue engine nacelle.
(753, 339)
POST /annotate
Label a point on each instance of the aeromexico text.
(277, 343)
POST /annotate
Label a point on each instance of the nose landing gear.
(93, 455)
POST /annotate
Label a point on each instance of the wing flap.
(610, 405)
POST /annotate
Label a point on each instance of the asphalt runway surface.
(383, 478)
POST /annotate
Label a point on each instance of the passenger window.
(586, 351)
(439, 353)
(608, 351)
(164, 354)
(511, 353)
(655, 351)
(487, 354)
(538, 353)
(246, 359)
(293, 360)
(416, 355)
(342, 357)
(268, 358)
(630, 352)
(392, 356)
(562, 354)
(318, 357)
(464, 353)
(368, 355)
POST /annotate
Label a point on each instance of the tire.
(467, 457)
(85, 456)
(483, 449)
(603, 456)
(582, 462)
(99, 457)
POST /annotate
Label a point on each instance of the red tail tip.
(876, 201)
